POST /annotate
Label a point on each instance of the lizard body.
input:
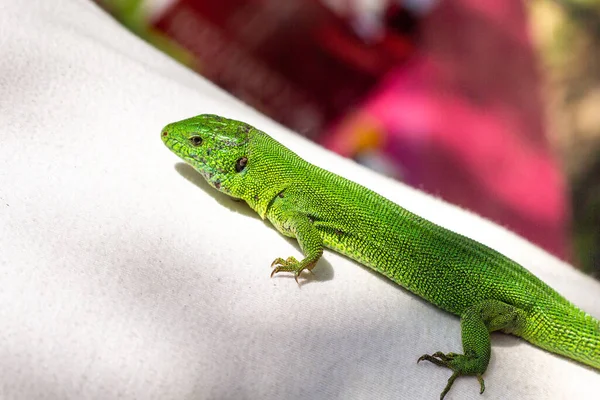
(487, 290)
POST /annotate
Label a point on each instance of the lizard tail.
(565, 330)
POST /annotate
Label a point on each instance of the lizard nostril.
(165, 133)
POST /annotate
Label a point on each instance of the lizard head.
(215, 146)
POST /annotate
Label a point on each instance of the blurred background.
(490, 105)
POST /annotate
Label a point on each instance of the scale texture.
(487, 290)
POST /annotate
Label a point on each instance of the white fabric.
(123, 275)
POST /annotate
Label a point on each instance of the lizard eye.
(241, 164)
(196, 141)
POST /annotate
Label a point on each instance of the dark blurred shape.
(401, 21)
(586, 217)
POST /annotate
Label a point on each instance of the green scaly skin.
(487, 290)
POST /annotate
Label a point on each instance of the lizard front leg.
(298, 225)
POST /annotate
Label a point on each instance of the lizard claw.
(460, 365)
(290, 265)
(277, 261)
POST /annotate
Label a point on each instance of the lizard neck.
(269, 172)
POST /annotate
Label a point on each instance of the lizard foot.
(459, 363)
(290, 265)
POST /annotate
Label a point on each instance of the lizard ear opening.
(240, 164)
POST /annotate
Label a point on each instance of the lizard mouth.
(197, 162)
(177, 147)
(181, 148)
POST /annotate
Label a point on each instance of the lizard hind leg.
(292, 265)
(476, 323)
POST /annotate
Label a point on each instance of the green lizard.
(488, 291)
